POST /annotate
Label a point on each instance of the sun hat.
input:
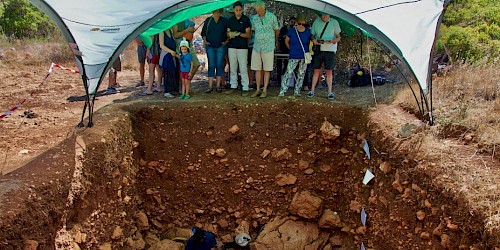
(184, 43)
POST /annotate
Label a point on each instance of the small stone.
(117, 233)
(325, 168)
(438, 231)
(209, 133)
(223, 223)
(105, 246)
(425, 236)
(329, 219)
(329, 131)
(451, 226)
(361, 230)
(153, 164)
(303, 164)
(142, 220)
(344, 151)
(220, 152)
(420, 215)
(355, 206)
(427, 204)
(385, 167)
(445, 241)
(396, 185)
(234, 129)
(265, 153)
(285, 179)
(309, 171)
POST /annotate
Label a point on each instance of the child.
(186, 60)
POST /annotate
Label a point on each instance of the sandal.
(310, 94)
(209, 90)
(219, 90)
(186, 97)
(182, 97)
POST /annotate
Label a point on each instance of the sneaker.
(281, 94)
(209, 90)
(256, 93)
(231, 91)
(244, 93)
(186, 97)
(116, 85)
(263, 95)
(155, 89)
(111, 90)
(140, 84)
(219, 90)
(331, 96)
(168, 95)
(182, 97)
(145, 93)
(297, 94)
(310, 94)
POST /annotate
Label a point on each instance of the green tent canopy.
(98, 31)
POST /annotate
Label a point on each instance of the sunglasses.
(301, 23)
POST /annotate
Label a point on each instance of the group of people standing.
(244, 41)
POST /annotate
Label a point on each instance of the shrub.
(20, 19)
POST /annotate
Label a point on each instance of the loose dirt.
(187, 169)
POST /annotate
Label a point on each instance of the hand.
(190, 29)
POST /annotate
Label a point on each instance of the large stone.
(105, 246)
(243, 227)
(306, 205)
(290, 234)
(329, 219)
(285, 179)
(151, 239)
(178, 232)
(167, 245)
(329, 131)
(142, 220)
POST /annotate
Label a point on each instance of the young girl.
(186, 60)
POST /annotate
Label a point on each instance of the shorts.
(326, 57)
(141, 54)
(185, 75)
(154, 60)
(117, 65)
(262, 61)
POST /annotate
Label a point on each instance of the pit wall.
(106, 193)
(410, 138)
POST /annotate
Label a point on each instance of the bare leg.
(329, 80)
(315, 79)
(267, 75)
(142, 66)
(218, 81)
(210, 82)
(151, 78)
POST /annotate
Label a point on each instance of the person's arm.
(204, 31)
(162, 44)
(287, 42)
(179, 33)
(247, 34)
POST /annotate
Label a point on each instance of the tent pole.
(420, 109)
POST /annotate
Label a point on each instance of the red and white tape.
(17, 106)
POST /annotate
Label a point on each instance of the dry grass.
(459, 152)
(467, 97)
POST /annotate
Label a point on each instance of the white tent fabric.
(102, 29)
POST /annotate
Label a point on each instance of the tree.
(20, 19)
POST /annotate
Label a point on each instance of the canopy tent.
(100, 30)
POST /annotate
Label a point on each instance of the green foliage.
(20, 19)
(470, 31)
